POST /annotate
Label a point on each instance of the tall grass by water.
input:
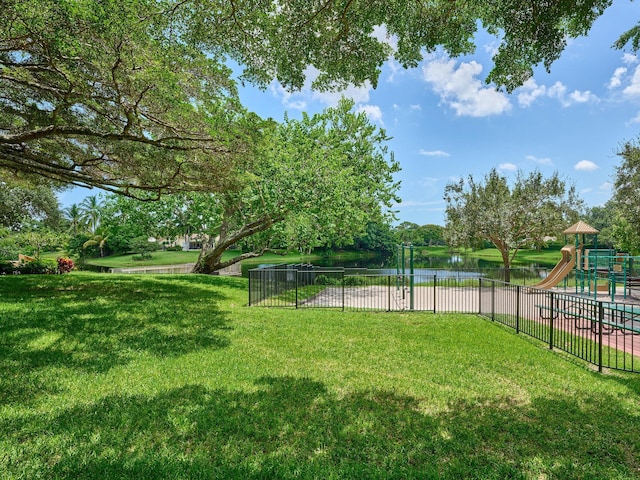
(173, 377)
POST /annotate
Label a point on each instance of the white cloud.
(373, 112)
(492, 47)
(332, 98)
(434, 153)
(299, 100)
(636, 119)
(394, 68)
(616, 78)
(415, 107)
(558, 90)
(585, 166)
(461, 90)
(582, 97)
(289, 100)
(629, 59)
(528, 93)
(633, 89)
(380, 33)
(509, 167)
(541, 161)
(606, 186)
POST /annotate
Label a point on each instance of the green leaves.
(508, 216)
(315, 181)
(104, 94)
(135, 96)
(626, 192)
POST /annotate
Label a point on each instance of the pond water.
(454, 265)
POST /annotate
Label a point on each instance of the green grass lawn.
(173, 377)
(157, 258)
(176, 258)
(523, 257)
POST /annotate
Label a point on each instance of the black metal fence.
(605, 334)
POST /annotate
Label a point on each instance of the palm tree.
(96, 241)
(75, 217)
(91, 208)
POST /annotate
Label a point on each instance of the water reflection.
(455, 265)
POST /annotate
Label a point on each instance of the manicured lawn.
(523, 256)
(173, 377)
(157, 258)
(176, 258)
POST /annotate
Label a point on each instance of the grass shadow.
(94, 323)
(296, 428)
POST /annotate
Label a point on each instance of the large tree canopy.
(317, 181)
(508, 216)
(135, 95)
(280, 39)
(625, 197)
(25, 204)
(105, 93)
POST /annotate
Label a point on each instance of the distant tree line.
(32, 221)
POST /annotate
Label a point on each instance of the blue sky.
(446, 123)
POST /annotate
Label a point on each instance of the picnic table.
(622, 317)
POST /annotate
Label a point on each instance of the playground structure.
(562, 269)
(597, 270)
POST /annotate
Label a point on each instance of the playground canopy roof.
(581, 228)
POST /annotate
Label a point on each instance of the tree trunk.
(209, 262)
(507, 265)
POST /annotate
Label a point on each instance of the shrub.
(324, 280)
(143, 246)
(175, 248)
(7, 268)
(38, 267)
(65, 265)
(355, 281)
(35, 267)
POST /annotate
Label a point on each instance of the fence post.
(518, 309)
(389, 293)
(250, 275)
(343, 290)
(435, 293)
(411, 280)
(551, 321)
(297, 283)
(493, 300)
(600, 325)
(480, 296)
